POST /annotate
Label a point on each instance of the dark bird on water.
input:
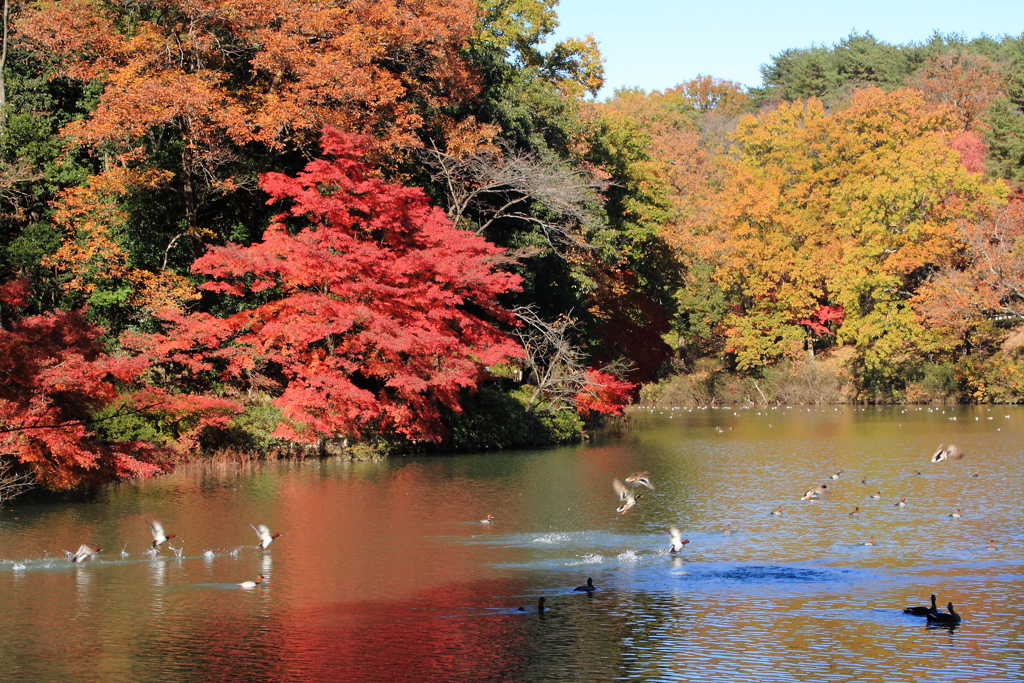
(920, 610)
(589, 588)
(937, 617)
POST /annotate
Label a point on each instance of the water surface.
(383, 572)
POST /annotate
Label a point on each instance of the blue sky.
(656, 44)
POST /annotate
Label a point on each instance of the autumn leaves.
(830, 224)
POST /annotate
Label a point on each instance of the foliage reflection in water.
(385, 573)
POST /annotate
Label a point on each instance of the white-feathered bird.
(252, 584)
(677, 539)
(84, 553)
(157, 529)
(266, 538)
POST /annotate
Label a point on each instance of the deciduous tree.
(56, 379)
(367, 309)
(848, 210)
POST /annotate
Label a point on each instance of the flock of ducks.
(630, 491)
(86, 551)
(933, 614)
(943, 452)
(628, 496)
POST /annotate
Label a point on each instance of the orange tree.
(850, 211)
(197, 98)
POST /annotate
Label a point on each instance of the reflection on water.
(385, 574)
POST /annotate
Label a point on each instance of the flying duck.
(157, 529)
(816, 492)
(643, 478)
(266, 538)
(676, 539)
(85, 552)
(628, 496)
(949, 452)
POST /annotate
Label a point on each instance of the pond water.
(383, 572)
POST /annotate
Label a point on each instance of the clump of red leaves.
(377, 310)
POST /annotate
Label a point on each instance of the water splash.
(592, 558)
(552, 538)
(628, 556)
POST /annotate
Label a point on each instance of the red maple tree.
(375, 310)
(56, 380)
(53, 375)
(604, 393)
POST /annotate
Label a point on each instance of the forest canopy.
(263, 226)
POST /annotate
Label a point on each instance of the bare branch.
(494, 185)
(12, 484)
(555, 366)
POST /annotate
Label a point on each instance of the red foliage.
(375, 305)
(15, 293)
(604, 393)
(972, 150)
(823, 316)
(54, 374)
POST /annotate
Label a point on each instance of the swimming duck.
(628, 496)
(266, 538)
(975, 475)
(677, 540)
(251, 584)
(487, 520)
(719, 430)
(157, 529)
(85, 552)
(870, 542)
(917, 472)
(837, 475)
(856, 512)
(957, 514)
(919, 610)
(937, 617)
(540, 607)
(816, 492)
(863, 481)
(877, 495)
(949, 452)
(643, 478)
(902, 503)
(728, 529)
(589, 588)
(777, 511)
(991, 545)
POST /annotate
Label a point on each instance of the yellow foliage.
(91, 255)
(843, 210)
